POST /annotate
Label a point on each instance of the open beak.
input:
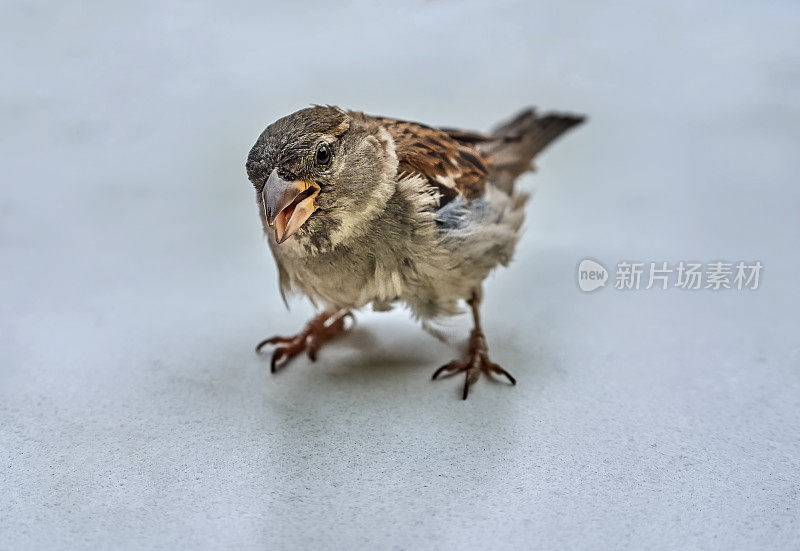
(287, 205)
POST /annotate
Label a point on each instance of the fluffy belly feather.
(429, 265)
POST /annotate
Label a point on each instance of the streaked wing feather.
(447, 159)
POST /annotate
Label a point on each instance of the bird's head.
(321, 174)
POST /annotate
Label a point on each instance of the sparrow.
(364, 210)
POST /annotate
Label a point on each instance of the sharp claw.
(500, 371)
(446, 367)
(272, 340)
(471, 377)
(261, 345)
(277, 355)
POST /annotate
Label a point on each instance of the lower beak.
(287, 205)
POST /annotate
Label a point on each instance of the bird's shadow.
(371, 356)
(368, 354)
(389, 352)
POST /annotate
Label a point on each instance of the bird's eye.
(324, 154)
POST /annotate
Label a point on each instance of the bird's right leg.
(320, 329)
(477, 359)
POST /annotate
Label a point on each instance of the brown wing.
(460, 162)
(448, 159)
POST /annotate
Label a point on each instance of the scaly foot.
(320, 329)
(476, 361)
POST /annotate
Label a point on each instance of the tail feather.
(514, 144)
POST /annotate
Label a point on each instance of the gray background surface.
(135, 282)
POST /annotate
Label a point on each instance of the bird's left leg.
(477, 358)
(321, 328)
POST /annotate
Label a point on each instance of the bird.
(362, 210)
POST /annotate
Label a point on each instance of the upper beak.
(287, 205)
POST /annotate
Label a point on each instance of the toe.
(312, 347)
(452, 366)
(272, 340)
(500, 371)
(277, 355)
(471, 378)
